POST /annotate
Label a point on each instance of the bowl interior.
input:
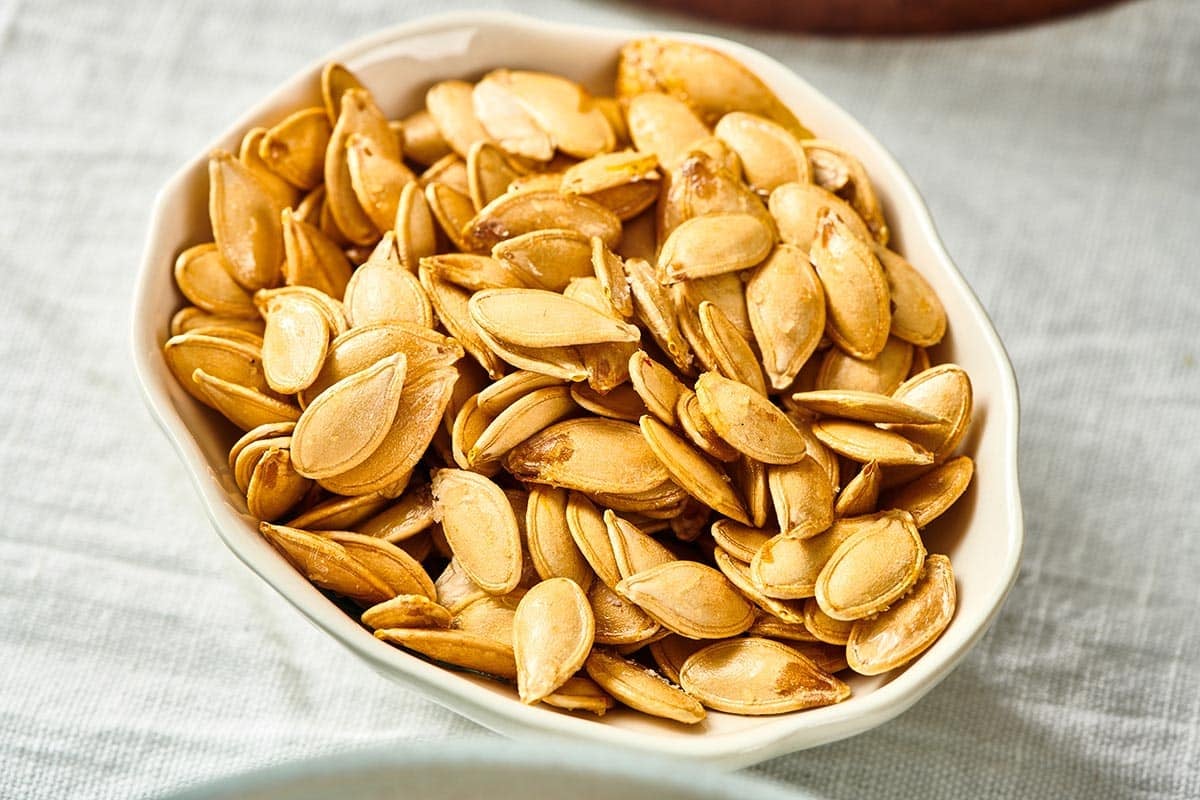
(982, 533)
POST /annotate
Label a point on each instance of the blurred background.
(1061, 162)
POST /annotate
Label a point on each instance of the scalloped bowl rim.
(472, 697)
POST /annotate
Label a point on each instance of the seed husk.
(856, 187)
(944, 391)
(203, 277)
(588, 530)
(553, 633)
(402, 573)
(489, 172)
(918, 316)
(909, 627)
(709, 81)
(311, 258)
(871, 569)
(243, 406)
(642, 689)
(769, 153)
(748, 421)
(589, 455)
(339, 513)
(796, 209)
(295, 341)
(862, 442)
(496, 397)
(481, 528)
(690, 599)
(802, 496)
(406, 611)
(738, 540)
(691, 470)
(565, 363)
(735, 358)
(533, 412)
(191, 319)
(359, 115)
(452, 106)
(579, 693)
(457, 648)
(696, 427)
(327, 564)
(662, 125)
(610, 171)
(295, 147)
(515, 213)
(738, 574)
(538, 318)
(236, 362)
(787, 568)
(275, 487)
(658, 387)
(756, 676)
(621, 402)
(451, 304)
(824, 627)
(881, 375)
(862, 406)
(928, 496)
(345, 424)
(245, 222)
(633, 550)
(619, 622)
(671, 651)
(861, 495)
(712, 245)
(422, 403)
(411, 515)
(549, 258)
(551, 545)
(704, 184)
(786, 305)
(858, 304)
(654, 308)
(610, 271)
(750, 476)
(793, 633)
(377, 179)
(499, 110)
(270, 431)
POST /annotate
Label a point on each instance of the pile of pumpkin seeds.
(638, 377)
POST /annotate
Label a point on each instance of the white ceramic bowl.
(982, 534)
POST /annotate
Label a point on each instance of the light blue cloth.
(1062, 164)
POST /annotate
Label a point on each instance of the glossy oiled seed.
(689, 598)
(712, 245)
(857, 299)
(905, 630)
(881, 375)
(871, 569)
(944, 391)
(551, 544)
(481, 528)
(538, 318)
(930, 495)
(619, 622)
(863, 442)
(570, 454)
(770, 155)
(633, 550)
(802, 497)
(748, 421)
(553, 634)
(642, 689)
(579, 693)
(758, 676)
(691, 470)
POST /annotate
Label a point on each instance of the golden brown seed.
(422, 404)
(662, 125)
(339, 513)
(423, 142)
(515, 213)
(411, 515)
(450, 303)
(481, 528)
(794, 633)
(560, 108)
(619, 622)
(642, 689)
(295, 342)
(871, 569)
(243, 406)
(589, 455)
(237, 362)
(944, 391)
(416, 236)
(905, 630)
(657, 312)
(191, 319)
(469, 423)
(327, 564)
(751, 479)
(336, 80)
(712, 245)
(633, 550)
(549, 258)
(928, 496)
(703, 184)
(802, 496)
(770, 155)
(449, 172)
(857, 300)
(345, 424)
(249, 456)
(457, 648)
(824, 627)
(917, 314)
(738, 540)
(377, 179)
(748, 421)
(862, 443)
(590, 534)
(312, 259)
(382, 290)
(500, 111)
(757, 676)
(269, 431)
(786, 305)
(565, 363)
(610, 271)
(690, 599)
(538, 318)
(406, 611)
(497, 396)
(579, 693)
(671, 651)
(658, 387)
(551, 545)
(275, 486)
(735, 358)
(856, 186)
(395, 567)
(295, 147)
(245, 222)
(738, 574)
(862, 406)
(787, 568)
(553, 633)
(610, 171)
(203, 277)
(358, 114)
(861, 495)
(489, 172)
(534, 412)
(882, 374)
(453, 211)
(700, 432)
(621, 403)
(451, 104)
(709, 81)
(691, 470)
(796, 209)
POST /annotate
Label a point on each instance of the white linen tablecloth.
(1062, 164)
